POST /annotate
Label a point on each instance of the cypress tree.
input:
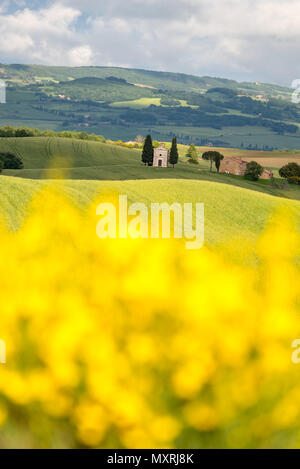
(174, 152)
(147, 154)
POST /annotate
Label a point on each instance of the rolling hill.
(56, 158)
(123, 103)
(44, 152)
(31, 74)
(230, 212)
(234, 206)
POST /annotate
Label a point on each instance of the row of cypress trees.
(148, 152)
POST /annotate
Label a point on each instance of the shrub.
(290, 171)
(193, 161)
(24, 132)
(294, 180)
(7, 131)
(11, 161)
(253, 171)
(28, 132)
(192, 152)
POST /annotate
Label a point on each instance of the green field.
(137, 103)
(230, 212)
(55, 158)
(234, 206)
(122, 103)
(146, 102)
(42, 152)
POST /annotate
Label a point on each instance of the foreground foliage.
(10, 161)
(291, 172)
(99, 357)
(253, 171)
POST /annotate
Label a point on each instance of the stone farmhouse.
(237, 166)
(234, 166)
(267, 174)
(161, 157)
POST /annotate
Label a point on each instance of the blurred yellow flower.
(123, 343)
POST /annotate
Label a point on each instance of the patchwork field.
(271, 162)
(280, 157)
(122, 103)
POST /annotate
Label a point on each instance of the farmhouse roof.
(237, 159)
(268, 171)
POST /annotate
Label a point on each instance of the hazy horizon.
(143, 69)
(241, 40)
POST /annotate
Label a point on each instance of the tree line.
(21, 132)
(156, 115)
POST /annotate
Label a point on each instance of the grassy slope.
(78, 159)
(42, 152)
(229, 211)
(235, 207)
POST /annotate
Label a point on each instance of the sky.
(245, 40)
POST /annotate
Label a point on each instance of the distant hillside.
(164, 80)
(122, 103)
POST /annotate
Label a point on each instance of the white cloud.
(243, 39)
(44, 36)
(79, 56)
